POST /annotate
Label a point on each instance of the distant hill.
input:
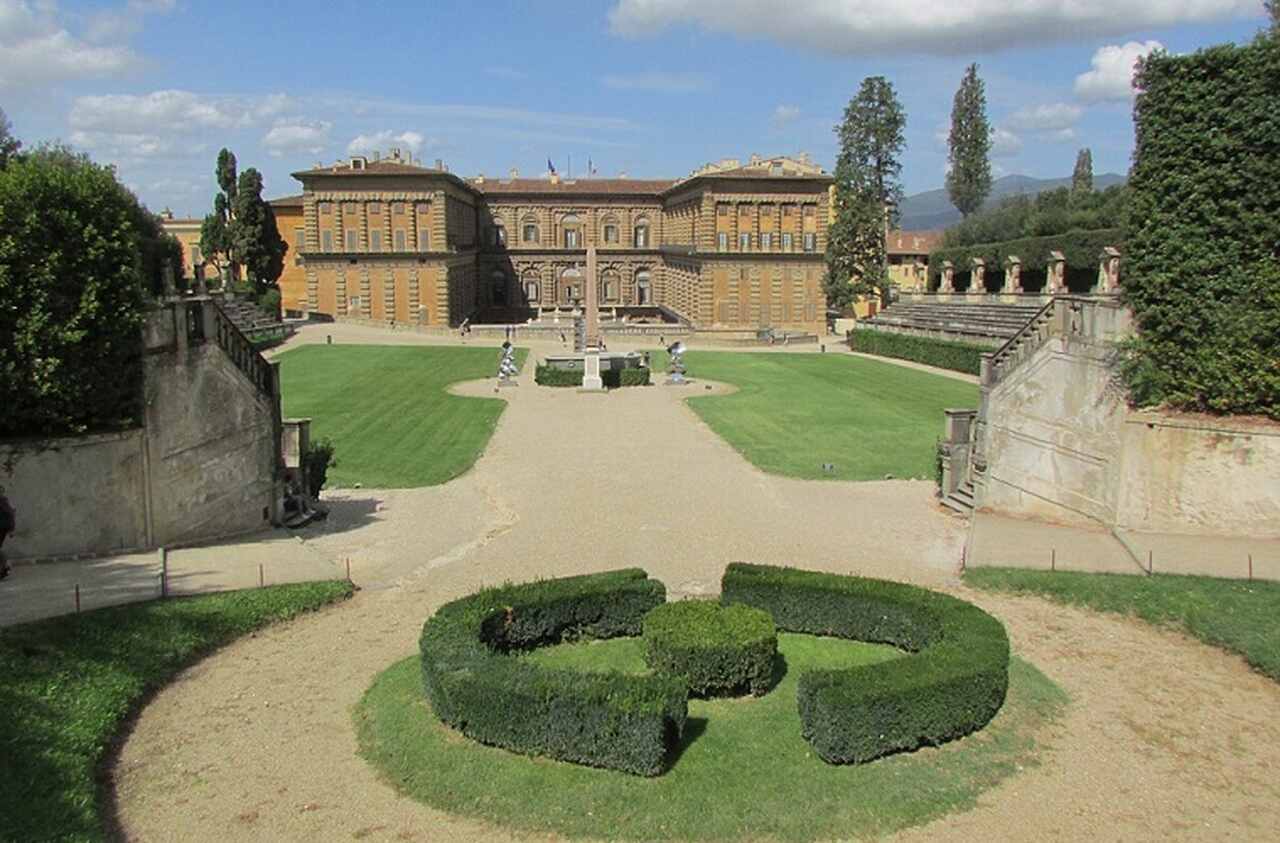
(933, 209)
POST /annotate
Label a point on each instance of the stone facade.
(727, 247)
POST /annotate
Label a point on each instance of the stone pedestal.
(591, 380)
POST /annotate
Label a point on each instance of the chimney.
(479, 179)
(622, 174)
(555, 178)
(439, 163)
(755, 158)
(514, 173)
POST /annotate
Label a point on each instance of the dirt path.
(1164, 738)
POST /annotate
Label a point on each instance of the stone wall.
(204, 463)
(1055, 440)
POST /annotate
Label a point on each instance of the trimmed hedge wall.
(717, 650)
(478, 685)
(1082, 249)
(1202, 269)
(952, 685)
(548, 376)
(945, 354)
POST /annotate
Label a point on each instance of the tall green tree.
(215, 231)
(1082, 176)
(255, 241)
(868, 190)
(969, 145)
(9, 145)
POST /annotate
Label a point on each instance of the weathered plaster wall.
(202, 466)
(1059, 443)
(78, 495)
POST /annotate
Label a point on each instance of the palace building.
(735, 246)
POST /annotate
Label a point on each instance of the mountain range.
(933, 209)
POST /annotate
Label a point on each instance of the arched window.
(644, 290)
(572, 228)
(609, 230)
(498, 279)
(609, 287)
(642, 234)
(571, 286)
(530, 284)
(498, 236)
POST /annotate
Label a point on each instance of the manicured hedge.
(1202, 269)
(953, 683)
(549, 376)
(1082, 250)
(957, 356)
(611, 378)
(717, 650)
(477, 683)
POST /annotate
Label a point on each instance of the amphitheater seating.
(988, 323)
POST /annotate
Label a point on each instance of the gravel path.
(1164, 738)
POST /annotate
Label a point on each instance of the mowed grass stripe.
(386, 410)
(794, 412)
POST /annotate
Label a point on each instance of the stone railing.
(1033, 335)
(239, 348)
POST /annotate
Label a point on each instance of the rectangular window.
(195, 256)
(326, 207)
(375, 209)
(722, 210)
(399, 240)
(744, 210)
(787, 209)
(326, 237)
(810, 210)
(611, 234)
(353, 241)
(810, 241)
(786, 241)
(397, 208)
(531, 233)
(299, 239)
(766, 240)
(375, 241)
(571, 239)
(722, 241)
(744, 241)
(424, 240)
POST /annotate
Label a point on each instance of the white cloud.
(854, 27)
(1060, 136)
(1045, 118)
(1004, 143)
(37, 50)
(659, 81)
(784, 114)
(125, 21)
(309, 136)
(118, 146)
(172, 111)
(379, 141)
(1112, 75)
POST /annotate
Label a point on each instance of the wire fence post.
(261, 576)
(164, 573)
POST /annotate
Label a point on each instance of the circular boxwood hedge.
(953, 685)
(717, 650)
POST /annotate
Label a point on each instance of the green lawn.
(1240, 616)
(385, 409)
(67, 684)
(743, 771)
(794, 412)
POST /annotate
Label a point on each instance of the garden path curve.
(1165, 737)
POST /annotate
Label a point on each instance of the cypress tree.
(1082, 177)
(867, 192)
(969, 144)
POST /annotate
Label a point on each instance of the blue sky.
(651, 87)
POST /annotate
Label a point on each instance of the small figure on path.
(8, 522)
(563, 341)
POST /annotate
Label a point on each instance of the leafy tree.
(1048, 213)
(1082, 176)
(73, 281)
(255, 240)
(867, 192)
(1273, 11)
(215, 231)
(969, 176)
(9, 145)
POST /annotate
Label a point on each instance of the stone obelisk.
(591, 379)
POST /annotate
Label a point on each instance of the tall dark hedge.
(1202, 269)
(72, 292)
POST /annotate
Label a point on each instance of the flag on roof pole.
(551, 168)
(591, 170)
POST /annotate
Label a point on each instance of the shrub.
(548, 376)
(626, 377)
(1201, 272)
(945, 354)
(714, 649)
(478, 685)
(316, 462)
(953, 683)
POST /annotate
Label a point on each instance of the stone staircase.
(987, 323)
(961, 500)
